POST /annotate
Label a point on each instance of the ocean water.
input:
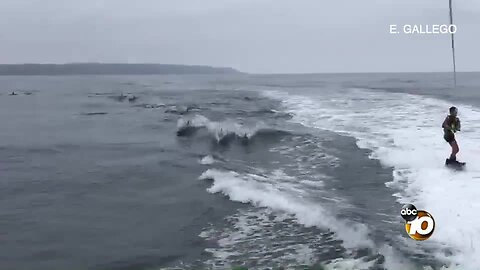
(214, 172)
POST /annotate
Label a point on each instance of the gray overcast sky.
(259, 36)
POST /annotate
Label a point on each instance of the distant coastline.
(108, 69)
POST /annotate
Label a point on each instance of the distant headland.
(109, 69)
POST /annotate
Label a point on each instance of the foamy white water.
(207, 160)
(219, 130)
(276, 191)
(287, 197)
(250, 236)
(404, 131)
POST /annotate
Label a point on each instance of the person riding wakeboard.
(450, 126)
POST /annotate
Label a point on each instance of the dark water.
(215, 171)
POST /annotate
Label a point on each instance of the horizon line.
(246, 72)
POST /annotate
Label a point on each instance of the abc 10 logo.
(419, 224)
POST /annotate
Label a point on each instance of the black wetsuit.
(450, 126)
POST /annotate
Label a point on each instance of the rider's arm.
(445, 124)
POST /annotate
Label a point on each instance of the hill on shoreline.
(109, 69)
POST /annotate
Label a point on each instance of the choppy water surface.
(210, 172)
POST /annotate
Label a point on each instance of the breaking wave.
(226, 131)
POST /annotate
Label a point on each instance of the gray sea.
(215, 172)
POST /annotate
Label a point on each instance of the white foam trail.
(207, 160)
(222, 129)
(275, 193)
(219, 130)
(404, 131)
(251, 239)
(348, 264)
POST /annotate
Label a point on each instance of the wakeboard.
(456, 165)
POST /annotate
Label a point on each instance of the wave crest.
(226, 131)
